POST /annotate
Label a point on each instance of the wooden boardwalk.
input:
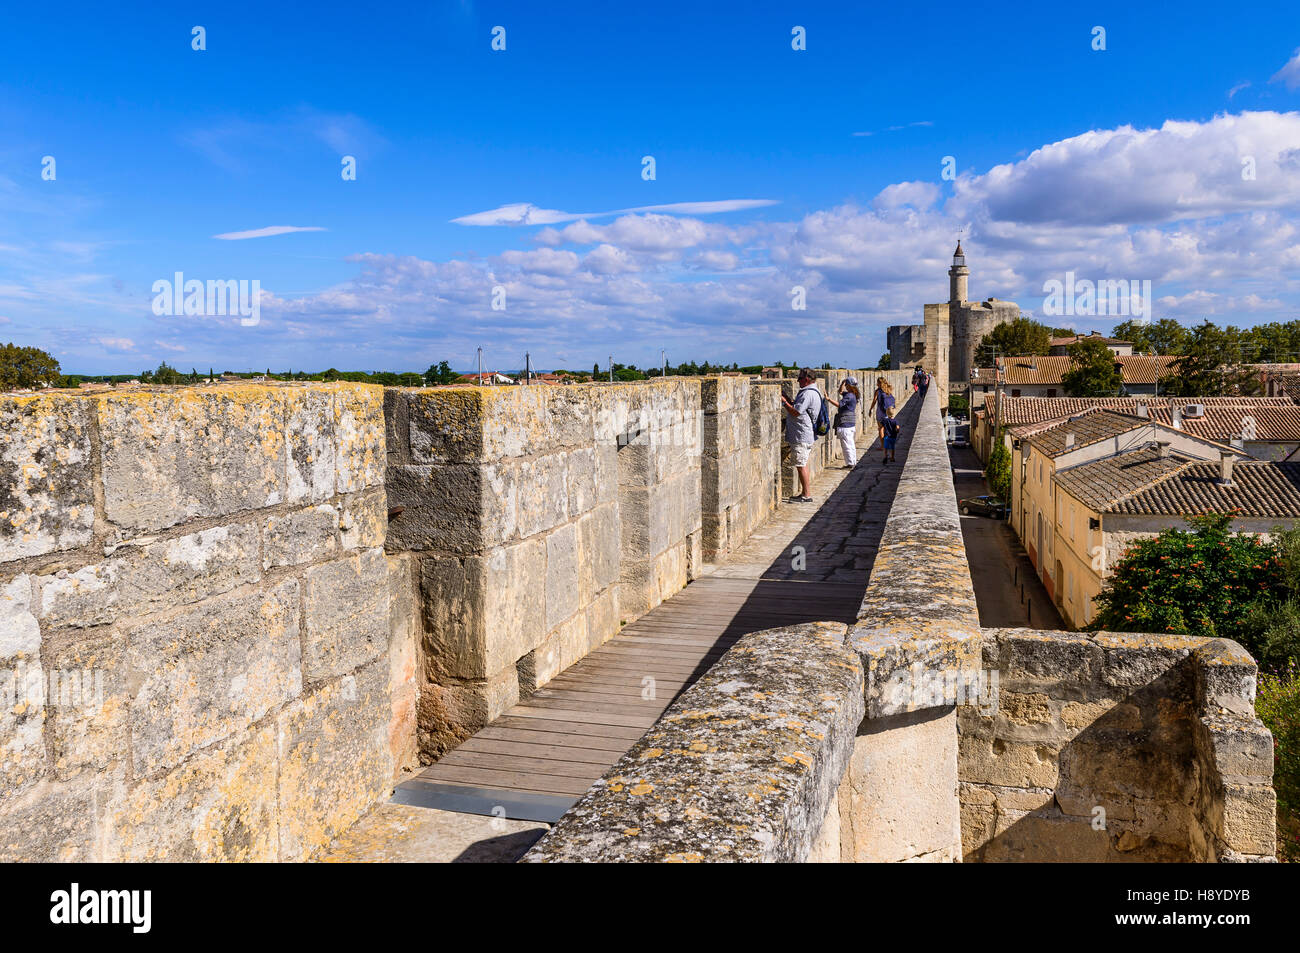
(534, 761)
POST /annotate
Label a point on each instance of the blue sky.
(1122, 163)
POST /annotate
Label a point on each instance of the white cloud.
(176, 348)
(117, 345)
(525, 213)
(1181, 171)
(268, 232)
(542, 261)
(919, 195)
(1290, 73)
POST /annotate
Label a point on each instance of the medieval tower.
(945, 343)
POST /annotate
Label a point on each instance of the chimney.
(1178, 416)
(1162, 448)
(1225, 468)
(1142, 409)
(1069, 441)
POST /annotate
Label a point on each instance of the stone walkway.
(808, 562)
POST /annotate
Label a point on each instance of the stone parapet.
(195, 643)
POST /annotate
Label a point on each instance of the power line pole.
(480, 367)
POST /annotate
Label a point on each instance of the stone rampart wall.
(535, 521)
(195, 635)
(1115, 746)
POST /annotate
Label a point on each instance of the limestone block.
(87, 700)
(483, 613)
(55, 823)
(363, 520)
(581, 480)
(334, 759)
(218, 806)
(902, 779)
(46, 488)
(605, 468)
(566, 645)
(598, 541)
(1249, 818)
(603, 618)
(449, 712)
(562, 583)
(359, 422)
(446, 426)
(405, 632)
(1239, 748)
(313, 444)
(300, 536)
(148, 576)
(345, 615)
(397, 425)
(173, 456)
(542, 493)
(205, 673)
(451, 508)
(1009, 763)
(23, 759)
(1047, 656)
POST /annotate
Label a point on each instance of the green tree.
(1165, 336)
(1092, 370)
(165, 374)
(26, 367)
(885, 361)
(1019, 338)
(330, 375)
(1204, 583)
(440, 373)
(1210, 366)
(1064, 333)
(998, 470)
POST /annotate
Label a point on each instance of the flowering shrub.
(1206, 582)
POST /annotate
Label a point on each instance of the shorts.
(889, 442)
(801, 451)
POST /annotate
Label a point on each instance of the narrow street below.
(1007, 590)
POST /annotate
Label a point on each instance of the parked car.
(984, 506)
(959, 442)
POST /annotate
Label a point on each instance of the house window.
(1015, 393)
(1051, 392)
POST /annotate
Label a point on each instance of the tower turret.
(957, 276)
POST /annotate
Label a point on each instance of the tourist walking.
(846, 419)
(923, 381)
(889, 437)
(882, 404)
(799, 430)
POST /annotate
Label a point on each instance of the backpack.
(822, 425)
(891, 428)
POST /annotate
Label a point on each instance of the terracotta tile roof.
(1101, 483)
(1067, 341)
(1091, 426)
(1134, 369)
(1277, 419)
(1258, 489)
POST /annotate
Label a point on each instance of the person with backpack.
(882, 403)
(924, 382)
(807, 415)
(846, 420)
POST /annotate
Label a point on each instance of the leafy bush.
(1278, 706)
(1204, 583)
